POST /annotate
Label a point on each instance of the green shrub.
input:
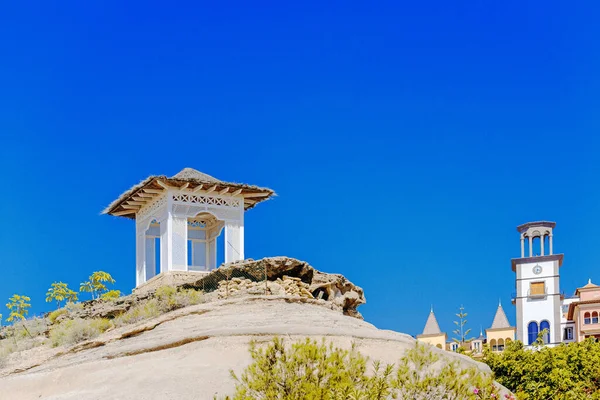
(111, 295)
(309, 370)
(55, 314)
(567, 371)
(140, 312)
(166, 299)
(73, 331)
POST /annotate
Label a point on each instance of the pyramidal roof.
(590, 285)
(500, 320)
(186, 179)
(431, 326)
(188, 174)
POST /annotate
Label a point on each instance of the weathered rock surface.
(284, 276)
(188, 353)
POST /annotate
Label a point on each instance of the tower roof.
(187, 178)
(588, 286)
(431, 326)
(500, 320)
(546, 224)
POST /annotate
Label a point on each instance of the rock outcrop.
(187, 354)
(268, 276)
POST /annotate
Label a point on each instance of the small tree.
(460, 330)
(59, 292)
(19, 307)
(96, 283)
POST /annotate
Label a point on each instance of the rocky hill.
(188, 353)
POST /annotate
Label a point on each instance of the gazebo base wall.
(169, 278)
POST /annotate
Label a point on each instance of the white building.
(538, 298)
(179, 219)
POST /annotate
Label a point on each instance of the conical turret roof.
(431, 326)
(500, 320)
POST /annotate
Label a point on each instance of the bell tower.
(538, 298)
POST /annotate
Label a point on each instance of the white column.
(166, 245)
(550, 243)
(522, 247)
(140, 256)
(234, 248)
(179, 244)
(542, 244)
(530, 246)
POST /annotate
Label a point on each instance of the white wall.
(538, 308)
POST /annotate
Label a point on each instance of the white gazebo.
(179, 219)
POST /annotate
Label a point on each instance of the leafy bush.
(73, 331)
(140, 312)
(57, 313)
(166, 299)
(309, 370)
(111, 295)
(567, 371)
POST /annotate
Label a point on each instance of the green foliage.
(96, 283)
(57, 313)
(567, 371)
(60, 292)
(166, 299)
(460, 327)
(19, 307)
(73, 331)
(111, 295)
(317, 371)
(139, 312)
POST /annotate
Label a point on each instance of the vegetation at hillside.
(96, 284)
(567, 371)
(319, 371)
(69, 325)
(59, 292)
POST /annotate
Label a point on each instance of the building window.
(493, 345)
(500, 344)
(568, 333)
(586, 318)
(537, 289)
(532, 332)
(595, 317)
(545, 325)
(454, 346)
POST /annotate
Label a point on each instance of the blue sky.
(406, 141)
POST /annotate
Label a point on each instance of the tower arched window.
(594, 317)
(493, 345)
(532, 332)
(586, 318)
(545, 325)
(500, 344)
